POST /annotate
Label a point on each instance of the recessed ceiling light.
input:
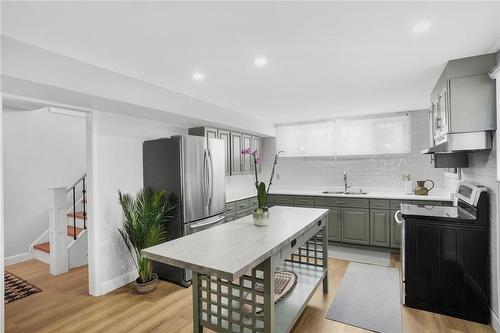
(421, 26)
(198, 76)
(260, 61)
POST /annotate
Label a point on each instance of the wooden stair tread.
(71, 232)
(78, 215)
(45, 247)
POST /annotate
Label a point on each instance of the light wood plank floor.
(64, 306)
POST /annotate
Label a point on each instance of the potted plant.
(261, 213)
(144, 225)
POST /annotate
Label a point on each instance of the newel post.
(58, 231)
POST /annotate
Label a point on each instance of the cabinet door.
(247, 159)
(211, 133)
(355, 225)
(379, 227)
(395, 232)
(224, 136)
(256, 146)
(334, 224)
(235, 153)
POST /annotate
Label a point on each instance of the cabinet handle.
(294, 242)
(340, 202)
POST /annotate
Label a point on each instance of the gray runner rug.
(369, 297)
(358, 254)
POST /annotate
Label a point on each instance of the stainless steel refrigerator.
(193, 168)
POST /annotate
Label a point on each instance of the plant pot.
(147, 287)
(261, 218)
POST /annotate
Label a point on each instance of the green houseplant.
(144, 225)
(261, 213)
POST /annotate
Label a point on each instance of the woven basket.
(148, 287)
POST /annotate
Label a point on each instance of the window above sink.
(388, 134)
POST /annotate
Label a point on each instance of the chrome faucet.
(345, 182)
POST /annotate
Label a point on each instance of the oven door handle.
(202, 224)
(398, 220)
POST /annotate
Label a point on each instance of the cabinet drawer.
(396, 204)
(342, 202)
(426, 202)
(447, 203)
(283, 200)
(229, 217)
(242, 204)
(242, 213)
(303, 201)
(379, 204)
(230, 207)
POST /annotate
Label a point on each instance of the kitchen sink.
(360, 192)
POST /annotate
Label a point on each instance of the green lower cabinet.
(355, 225)
(380, 227)
(334, 224)
(395, 232)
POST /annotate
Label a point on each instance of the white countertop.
(229, 250)
(235, 194)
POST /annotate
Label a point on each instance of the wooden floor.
(64, 306)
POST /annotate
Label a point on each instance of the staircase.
(64, 245)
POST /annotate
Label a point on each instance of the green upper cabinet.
(225, 136)
(355, 225)
(247, 159)
(236, 160)
(211, 133)
(379, 227)
(233, 144)
(395, 232)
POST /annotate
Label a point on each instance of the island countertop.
(231, 249)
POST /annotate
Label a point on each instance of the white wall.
(375, 171)
(482, 170)
(2, 236)
(41, 149)
(115, 164)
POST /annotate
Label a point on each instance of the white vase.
(261, 219)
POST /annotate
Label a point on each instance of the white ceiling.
(326, 59)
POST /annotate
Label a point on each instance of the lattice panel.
(310, 253)
(227, 306)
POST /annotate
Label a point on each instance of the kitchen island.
(233, 269)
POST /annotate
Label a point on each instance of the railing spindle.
(84, 198)
(74, 213)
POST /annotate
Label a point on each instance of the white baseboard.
(495, 322)
(120, 281)
(18, 258)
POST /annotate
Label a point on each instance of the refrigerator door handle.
(205, 177)
(211, 179)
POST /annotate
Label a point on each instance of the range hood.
(461, 142)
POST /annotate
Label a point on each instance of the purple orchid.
(246, 151)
